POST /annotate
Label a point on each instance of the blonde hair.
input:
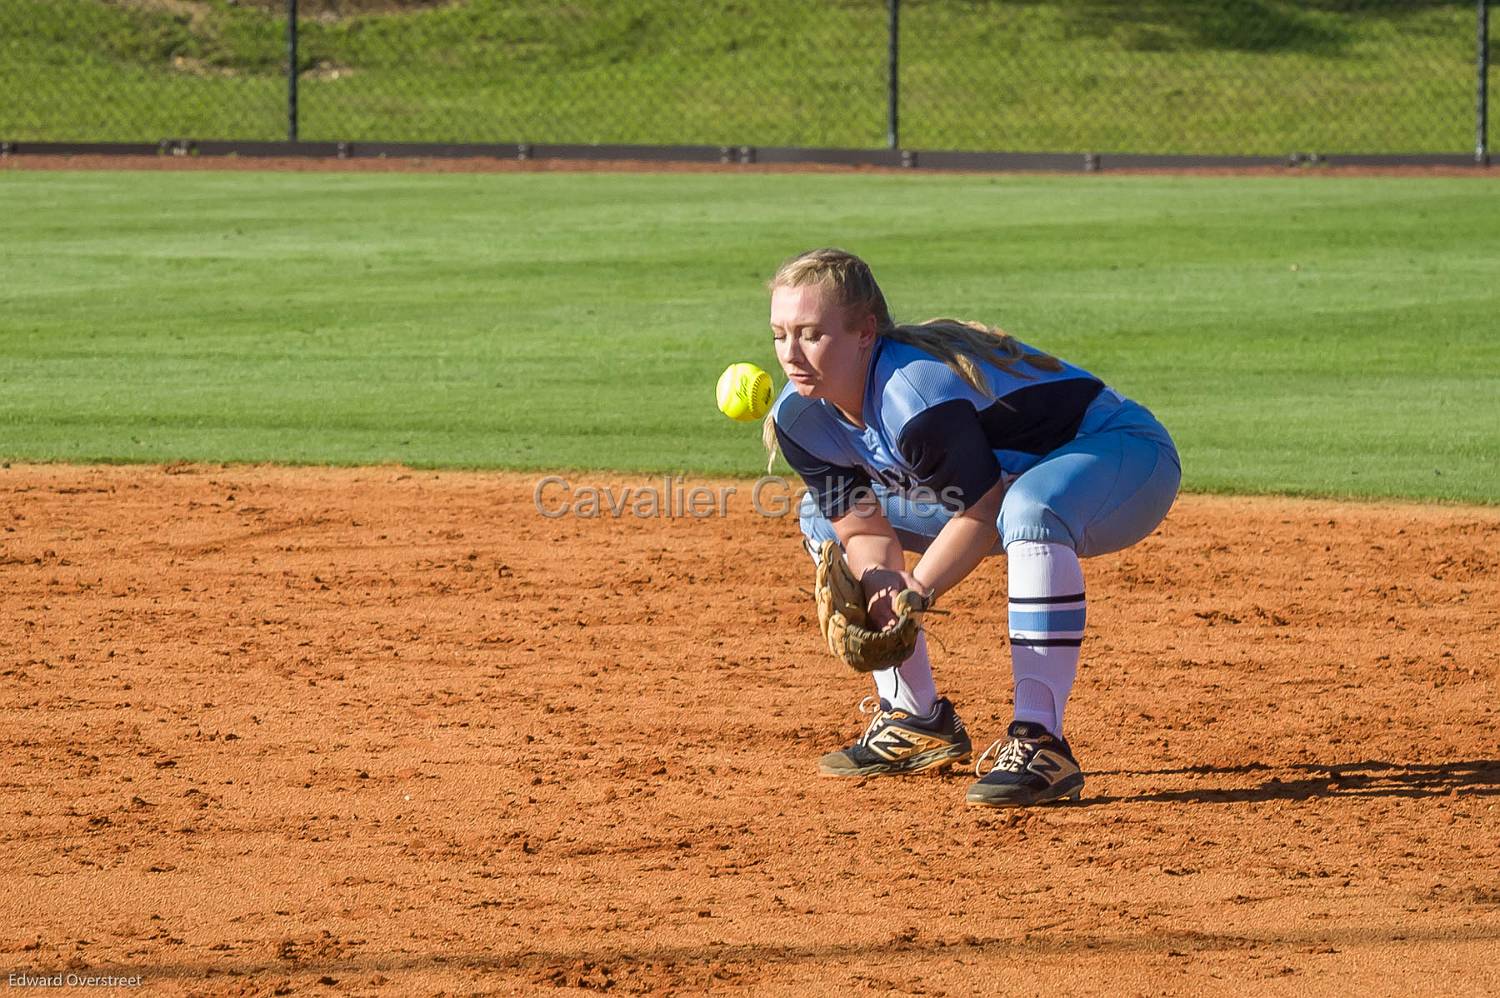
(960, 344)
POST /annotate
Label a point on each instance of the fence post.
(893, 77)
(291, 70)
(1482, 98)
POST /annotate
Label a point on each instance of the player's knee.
(816, 528)
(1025, 516)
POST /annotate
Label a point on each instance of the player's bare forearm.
(869, 541)
(961, 544)
(874, 555)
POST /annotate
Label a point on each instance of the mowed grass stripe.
(1302, 335)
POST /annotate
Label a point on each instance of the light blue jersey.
(928, 430)
(933, 445)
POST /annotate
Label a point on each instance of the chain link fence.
(1242, 77)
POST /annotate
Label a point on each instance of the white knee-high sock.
(1046, 628)
(909, 686)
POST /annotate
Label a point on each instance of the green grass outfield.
(1300, 335)
(1229, 76)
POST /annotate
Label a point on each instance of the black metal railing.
(1212, 77)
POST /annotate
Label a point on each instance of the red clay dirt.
(304, 731)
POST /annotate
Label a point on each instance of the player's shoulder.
(904, 370)
(806, 426)
(788, 407)
(910, 381)
(796, 416)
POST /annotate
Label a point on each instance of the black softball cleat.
(896, 742)
(1032, 766)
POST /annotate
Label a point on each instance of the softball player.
(958, 442)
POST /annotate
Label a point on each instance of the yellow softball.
(744, 392)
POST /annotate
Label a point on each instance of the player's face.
(817, 344)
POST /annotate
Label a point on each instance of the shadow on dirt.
(658, 968)
(1480, 777)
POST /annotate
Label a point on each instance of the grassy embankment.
(1256, 76)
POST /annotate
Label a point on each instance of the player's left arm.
(961, 545)
(950, 453)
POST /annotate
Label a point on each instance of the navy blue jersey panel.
(1038, 419)
(950, 453)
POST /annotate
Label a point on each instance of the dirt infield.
(481, 164)
(291, 731)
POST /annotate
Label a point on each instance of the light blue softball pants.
(1103, 491)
